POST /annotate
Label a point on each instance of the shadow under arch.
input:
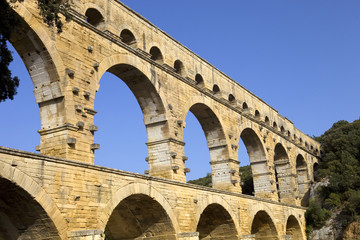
(293, 228)
(303, 180)
(38, 52)
(258, 162)
(216, 223)
(263, 227)
(150, 213)
(26, 210)
(215, 137)
(285, 181)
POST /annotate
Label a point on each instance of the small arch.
(263, 226)
(139, 216)
(216, 89)
(282, 129)
(306, 145)
(315, 169)
(267, 121)
(179, 68)
(245, 106)
(94, 17)
(275, 125)
(288, 133)
(199, 79)
(156, 55)
(293, 228)
(216, 223)
(128, 37)
(257, 114)
(231, 98)
(312, 147)
(300, 140)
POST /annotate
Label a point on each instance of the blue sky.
(301, 57)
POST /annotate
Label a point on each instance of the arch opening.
(199, 80)
(257, 114)
(231, 98)
(216, 223)
(258, 162)
(214, 134)
(216, 89)
(139, 217)
(156, 55)
(285, 181)
(293, 228)
(267, 121)
(128, 37)
(21, 217)
(179, 68)
(302, 180)
(94, 17)
(135, 128)
(263, 227)
(245, 106)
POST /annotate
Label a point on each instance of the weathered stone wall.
(80, 199)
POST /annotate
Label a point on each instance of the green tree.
(9, 21)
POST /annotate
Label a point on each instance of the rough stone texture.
(78, 201)
(168, 80)
(352, 231)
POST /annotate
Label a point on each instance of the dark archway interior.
(139, 217)
(21, 217)
(127, 37)
(156, 55)
(263, 227)
(216, 224)
(179, 68)
(293, 228)
(257, 157)
(94, 17)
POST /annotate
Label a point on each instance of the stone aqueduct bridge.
(60, 194)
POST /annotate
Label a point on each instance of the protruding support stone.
(224, 175)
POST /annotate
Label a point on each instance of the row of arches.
(95, 18)
(136, 216)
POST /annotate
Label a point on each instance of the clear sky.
(302, 57)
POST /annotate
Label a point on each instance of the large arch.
(263, 227)
(139, 216)
(26, 210)
(285, 179)
(216, 223)
(293, 228)
(145, 85)
(303, 180)
(258, 162)
(216, 142)
(140, 191)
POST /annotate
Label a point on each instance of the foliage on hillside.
(9, 20)
(246, 178)
(340, 167)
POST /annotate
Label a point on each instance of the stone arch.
(258, 161)
(199, 80)
(302, 179)
(128, 37)
(216, 89)
(215, 223)
(216, 140)
(144, 83)
(156, 54)
(141, 191)
(215, 200)
(231, 98)
(293, 228)
(94, 17)
(180, 68)
(134, 73)
(33, 43)
(32, 193)
(285, 179)
(263, 226)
